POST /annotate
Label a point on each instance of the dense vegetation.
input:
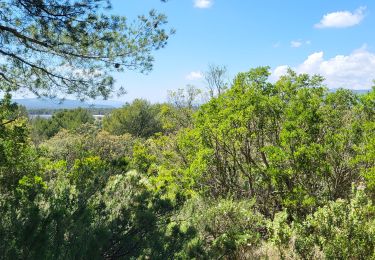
(65, 119)
(283, 170)
(261, 170)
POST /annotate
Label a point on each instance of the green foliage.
(137, 220)
(263, 170)
(178, 112)
(281, 143)
(88, 210)
(70, 146)
(143, 159)
(73, 46)
(139, 119)
(281, 232)
(16, 156)
(20, 182)
(70, 119)
(366, 151)
(339, 230)
(170, 163)
(226, 228)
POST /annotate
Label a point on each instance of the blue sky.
(334, 38)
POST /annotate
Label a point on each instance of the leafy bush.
(227, 228)
(140, 119)
(339, 230)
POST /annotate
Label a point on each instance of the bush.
(339, 230)
(227, 228)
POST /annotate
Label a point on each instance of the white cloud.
(295, 44)
(278, 72)
(194, 75)
(342, 19)
(203, 3)
(299, 43)
(353, 71)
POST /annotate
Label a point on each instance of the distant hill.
(357, 91)
(43, 103)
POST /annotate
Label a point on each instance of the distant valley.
(44, 103)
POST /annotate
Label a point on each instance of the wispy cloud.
(353, 71)
(342, 19)
(203, 3)
(295, 44)
(194, 75)
(299, 43)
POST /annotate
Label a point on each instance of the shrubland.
(261, 170)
